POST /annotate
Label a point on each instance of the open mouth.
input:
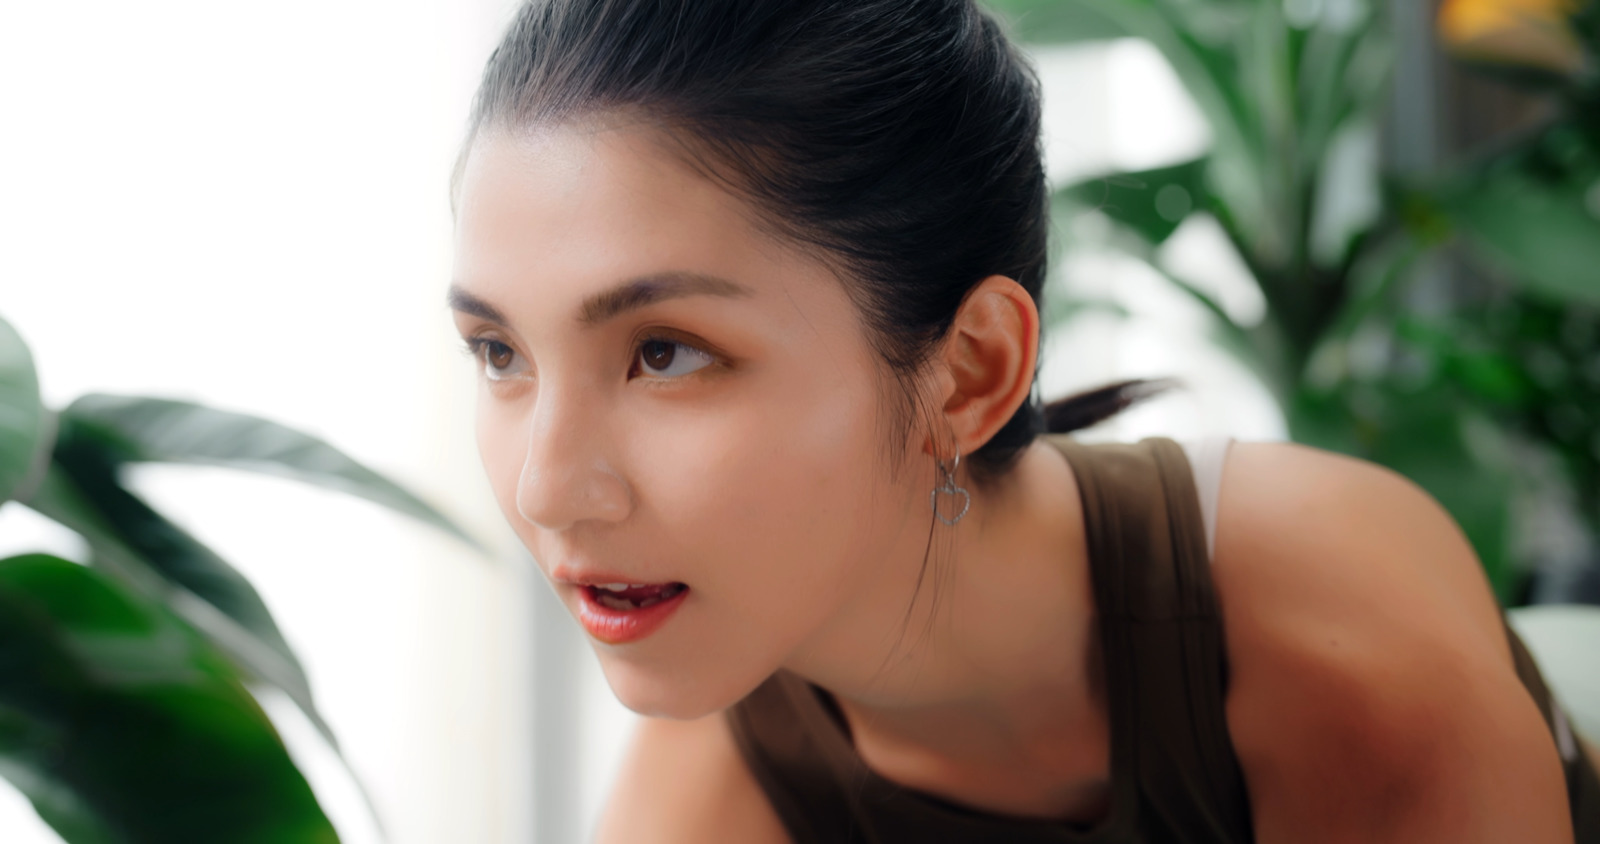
(632, 596)
(618, 613)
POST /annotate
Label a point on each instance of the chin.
(663, 692)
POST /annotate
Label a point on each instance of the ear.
(988, 361)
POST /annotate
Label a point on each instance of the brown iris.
(499, 355)
(658, 354)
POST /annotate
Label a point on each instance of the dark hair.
(899, 136)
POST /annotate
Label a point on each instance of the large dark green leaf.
(22, 417)
(1150, 202)
(166, 548)
(98, 506)
(139, 429)
(60, 498)
(1342, 75)
(122, 726)
(1211, 47)
(1492, 375)
(161, 561)
(1545, 234)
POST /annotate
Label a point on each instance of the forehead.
(576, 205)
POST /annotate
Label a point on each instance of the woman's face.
(670, 398)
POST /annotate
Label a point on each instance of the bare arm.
(1373, 696)
(684, 782)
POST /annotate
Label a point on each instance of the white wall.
(246, 205)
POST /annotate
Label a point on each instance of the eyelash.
(476, 346)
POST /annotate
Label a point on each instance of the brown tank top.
(1174, 774)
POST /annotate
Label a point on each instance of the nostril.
(556, 493)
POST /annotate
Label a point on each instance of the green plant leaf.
(22, 416)
(122, 726)
(139, 429)
(1257, 347)
(1379, 270)
(162, 562)
(1545, 234)
(1492, 375)
(1211, 47)
(1150, 202)
(105, 512)
(162, 545)
(1342, 75)
(60, 499)
(1056, 22)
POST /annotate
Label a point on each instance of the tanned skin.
(1372, 694)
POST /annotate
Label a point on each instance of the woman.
(754, 288)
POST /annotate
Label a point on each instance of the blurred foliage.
(124, 714)
(120, 724)
(1345, 249)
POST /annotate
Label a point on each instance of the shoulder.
(1306, 537)
(685, 781)
(1372, 695)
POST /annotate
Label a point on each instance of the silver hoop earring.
(948, 487)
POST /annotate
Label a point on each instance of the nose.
(567, 477)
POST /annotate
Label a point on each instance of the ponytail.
(1089, 407)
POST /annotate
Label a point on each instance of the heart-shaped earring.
(950, 488)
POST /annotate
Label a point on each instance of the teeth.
(608, 598)
(616, 603)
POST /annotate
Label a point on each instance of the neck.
(994, 667)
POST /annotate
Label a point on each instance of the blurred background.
(1372, 227)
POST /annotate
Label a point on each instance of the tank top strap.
(814, 781)
(798, 747)
(1175, 777)
(1162, 638)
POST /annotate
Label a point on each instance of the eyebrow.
(608, 304)
(461, 300)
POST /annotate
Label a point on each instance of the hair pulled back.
(902, 137)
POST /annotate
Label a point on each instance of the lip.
(579, 574)
(619, 627)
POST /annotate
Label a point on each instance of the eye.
(660, 358)
(497, 358)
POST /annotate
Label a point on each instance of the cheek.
(779, 492)
(776, 509)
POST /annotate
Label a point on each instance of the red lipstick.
(618, 613)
